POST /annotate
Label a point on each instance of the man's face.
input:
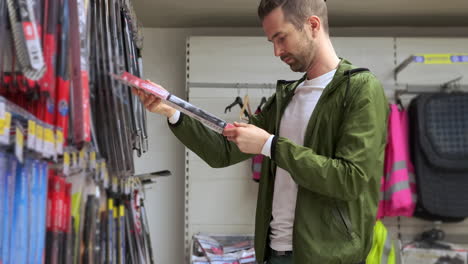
(295, 47)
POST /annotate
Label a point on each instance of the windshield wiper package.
(19, 226)
(43, 181)
(185, 107)
(3, 173)
(9, 193)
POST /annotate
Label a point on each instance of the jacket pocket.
(342, 221)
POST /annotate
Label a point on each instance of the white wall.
(164, 63)
(164, 57)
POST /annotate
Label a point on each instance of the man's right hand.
(154, 104)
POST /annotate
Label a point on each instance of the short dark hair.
(296, 11)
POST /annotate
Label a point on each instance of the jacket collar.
(339, 77)
(286, 88)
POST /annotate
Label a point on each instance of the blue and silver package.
(37, 210)
(3, 172)
(41, 223)
(19, 227)
(33, 208)
(8, 207)
(43, 168)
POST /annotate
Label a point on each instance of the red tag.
(28, 31)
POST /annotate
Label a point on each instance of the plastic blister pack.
(223, 249)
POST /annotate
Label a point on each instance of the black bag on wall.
(439, 150)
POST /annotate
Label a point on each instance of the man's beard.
(301, 62)
(298, 66)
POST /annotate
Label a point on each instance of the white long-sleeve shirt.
(293, 126)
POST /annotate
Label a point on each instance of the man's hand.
(154, 104)
(248, 138)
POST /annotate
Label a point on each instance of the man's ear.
(314, 25)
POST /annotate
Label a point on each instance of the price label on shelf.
(31, 142)
(5, 126)
(2, 110)
(74, 160)
(105, 174)
(39, 138)
(2, 118)
(19, 142)
(59, 142)
(66, 163)
(83, 159)
(49, 142)
(92, 160)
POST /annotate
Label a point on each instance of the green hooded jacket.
(338, 169)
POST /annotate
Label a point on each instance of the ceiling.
(343, 13)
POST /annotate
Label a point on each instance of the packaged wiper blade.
(26, 38)
(204, 117)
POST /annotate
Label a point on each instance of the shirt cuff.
(266, 150)
(175, 117)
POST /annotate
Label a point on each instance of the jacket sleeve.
(210, 146)
(359, 150)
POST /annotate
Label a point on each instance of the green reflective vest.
(383, 250)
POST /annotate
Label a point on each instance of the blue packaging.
(3, 172)
(8, 207)
(33, 208)
(19, 226)
(42, 210)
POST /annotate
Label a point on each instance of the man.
(324, 136)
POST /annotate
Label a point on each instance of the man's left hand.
(248, 138)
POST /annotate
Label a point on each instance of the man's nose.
(278, 50)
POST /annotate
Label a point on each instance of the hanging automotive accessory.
(47, 83)
(3, 25)
(121, 96)
(79, 44)
(107, 94)
(63, 80)
(68, 131)
(138, 114)
(206, 118)
(26, 38)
